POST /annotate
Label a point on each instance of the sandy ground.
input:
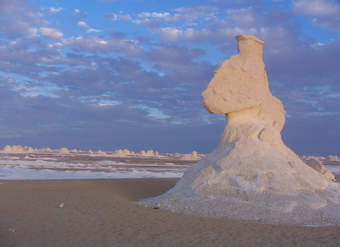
(88, 213)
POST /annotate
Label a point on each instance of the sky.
(110, 74)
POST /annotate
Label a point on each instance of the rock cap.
(249, 37)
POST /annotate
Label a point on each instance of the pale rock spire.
(252, 174)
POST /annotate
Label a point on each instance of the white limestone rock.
(251, 175)
(333, 158)
(18, 149)
(63, 150)
(150, 153)
(123, 152)
(192, 156)
(100, 152)
(47, 150)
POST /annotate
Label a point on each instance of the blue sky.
(109, 74)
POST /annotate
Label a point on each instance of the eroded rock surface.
(251, 175)
(318, 166)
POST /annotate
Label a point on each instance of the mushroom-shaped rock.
(252, 174)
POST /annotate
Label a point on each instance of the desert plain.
(106, 212)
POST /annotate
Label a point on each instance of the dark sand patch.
(102, 213)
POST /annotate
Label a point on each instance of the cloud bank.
(119, 78)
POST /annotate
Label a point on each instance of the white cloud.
(171, 33)
(119, 17)
(113, 17)
(18, 19)
(174, 34)
(51, 33)
(195, 13)
(87, 42)
(93, 30)
(55, 45)
(164, 15)
(76, 11)
(33, 32)
(242, 16)
(54, 10)
(94, 44)
(179, 14)
(82, 24)
(325, 13)
(317, 7)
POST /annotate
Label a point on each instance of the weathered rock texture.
(251, 175)
(318, 166)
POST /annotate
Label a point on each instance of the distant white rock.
(149, 153)
(63, 150)
(123, 152)
(333, 158)
(100, 152)
(252, 174)
(47, 150)
(119, 152)
(193, 156)
(18, 148)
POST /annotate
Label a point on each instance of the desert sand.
(105, 213)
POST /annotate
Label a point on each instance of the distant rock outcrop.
(18, 148)
(333, 158)
(193, 156)
(252, 175)
(123, 152)
(63, 150)
(47, 150)
(119, 152)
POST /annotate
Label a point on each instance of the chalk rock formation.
(100, 152)
(63, 150)
(18, 148)
(191, 156)
(333, 158)
(123, 152)
(149, 153)
(47, 150)
(251, 175)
